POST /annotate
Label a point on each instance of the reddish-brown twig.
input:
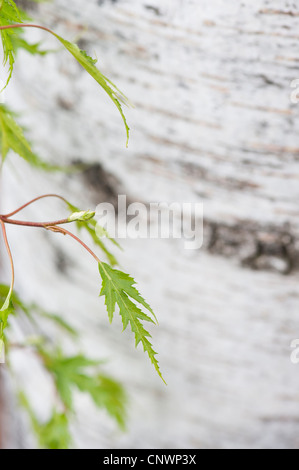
(9, 255)
(63, 231)
(33, 201)
(24, 223)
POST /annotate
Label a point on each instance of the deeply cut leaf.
(13, 39)
(12, 138)
(118, 288)
(70, 372)
(6, 294)
(55, 433)
(9, 14)
(88, 63)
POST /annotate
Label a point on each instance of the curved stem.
(66, 232)
(25, 25)
(6, 216)
(10, 258)
(23, 223)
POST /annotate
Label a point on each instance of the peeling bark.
(213, 123)
(270, 248)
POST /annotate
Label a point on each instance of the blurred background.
(213, 122)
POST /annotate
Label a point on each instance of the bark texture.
(214, 123)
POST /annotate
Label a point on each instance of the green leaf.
(70, 372)
(118, 288)
(7, 301)
(101, 232)
(12, 138)
(109, 394)
(12, 39)
(66, 372)
(9, 14)
(90, 227)
(7, 308)
(53, 434)
(88, 63)
(18, 42)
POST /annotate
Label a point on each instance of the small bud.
(82, 216)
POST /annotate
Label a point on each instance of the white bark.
(213, 122)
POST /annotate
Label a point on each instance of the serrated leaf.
(101, 232)
(19, 42)
(70, 372)
(90, 228)
(9, 14)
(54, 433)
(12, 39)
(110, 395)
(7, 301)
(88, 63)
(118, 288)
(7, 308)
(12, 138)
(66, 372)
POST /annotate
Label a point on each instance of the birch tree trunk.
(213, 123)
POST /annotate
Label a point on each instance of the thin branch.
(9, 255)
(66, 232)
(21, 25)
(23, 223)
(33, 201)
